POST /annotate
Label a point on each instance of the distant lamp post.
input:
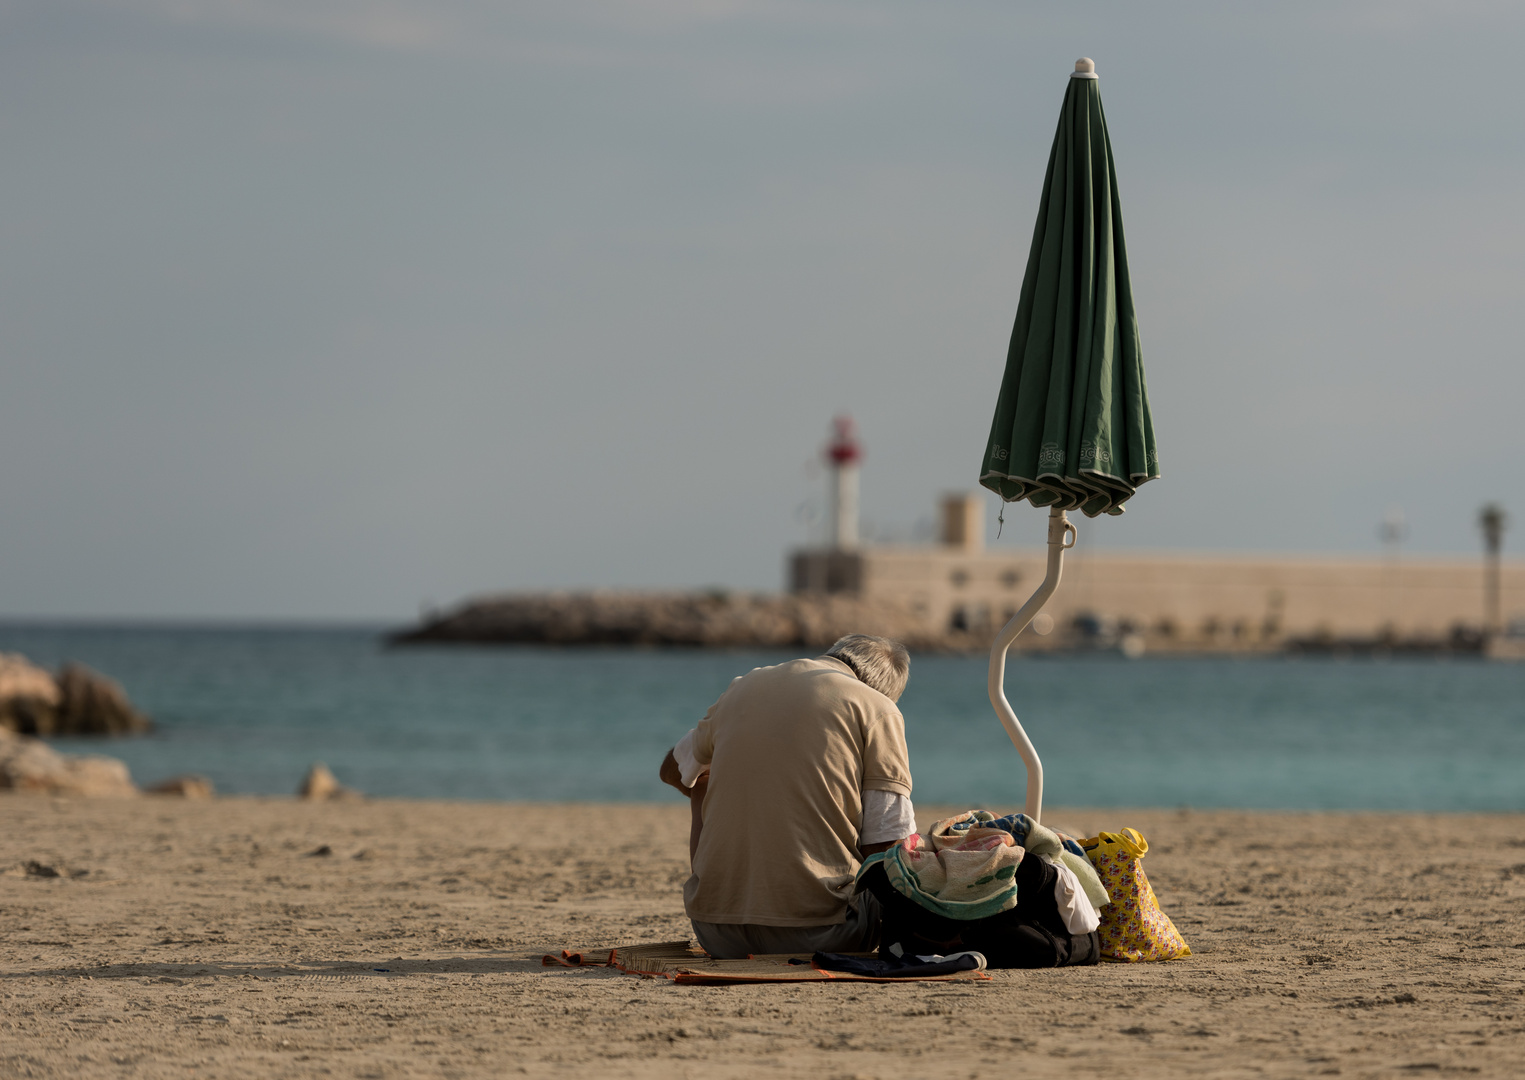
(1393, 531)
(1493, 521)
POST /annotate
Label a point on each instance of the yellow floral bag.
(1133, 927)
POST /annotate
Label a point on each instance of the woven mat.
(683, 962)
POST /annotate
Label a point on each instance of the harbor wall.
(1200, 598)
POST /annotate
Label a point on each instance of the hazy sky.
(330, 308)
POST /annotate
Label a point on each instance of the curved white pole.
(1061, 537)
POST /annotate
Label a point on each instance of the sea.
(252, 707)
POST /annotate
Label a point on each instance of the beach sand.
(212, 939)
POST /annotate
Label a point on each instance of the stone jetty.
(713, 619)
(718, 619)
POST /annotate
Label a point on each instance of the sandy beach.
(269, 937)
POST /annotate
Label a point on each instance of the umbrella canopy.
(1072, 428)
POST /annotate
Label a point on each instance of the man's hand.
(672, 775)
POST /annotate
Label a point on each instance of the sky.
(328, 309)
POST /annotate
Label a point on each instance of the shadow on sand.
(522, 962)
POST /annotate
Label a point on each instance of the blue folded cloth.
(1019, 825)
(898, 967)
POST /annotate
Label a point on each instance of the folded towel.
(964, 867)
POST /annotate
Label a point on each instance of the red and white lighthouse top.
(844, 448)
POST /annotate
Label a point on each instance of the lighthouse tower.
(842, 455)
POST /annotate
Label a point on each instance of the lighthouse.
(842, 456)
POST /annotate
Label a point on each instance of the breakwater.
(713, 619)
(720, 619)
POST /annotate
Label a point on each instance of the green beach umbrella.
(1072, 428)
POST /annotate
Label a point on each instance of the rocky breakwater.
(711, 619)
(77, 701)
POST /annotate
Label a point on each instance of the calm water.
(252, 708)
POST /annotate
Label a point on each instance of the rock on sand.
(320, 784)
(189, 787)
(28, 764)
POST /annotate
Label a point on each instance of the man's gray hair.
(879, 662)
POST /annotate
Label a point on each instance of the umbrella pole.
(1061, 537)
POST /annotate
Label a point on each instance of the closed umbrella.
(1071, 428)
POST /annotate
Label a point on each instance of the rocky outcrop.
(78, 702)
(714, 619)
(91, 704)
(29, 696)
(28, 764)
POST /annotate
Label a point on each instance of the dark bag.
(1030, 935)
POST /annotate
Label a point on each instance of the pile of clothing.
(1018, 893)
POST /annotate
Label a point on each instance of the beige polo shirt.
(790, 748)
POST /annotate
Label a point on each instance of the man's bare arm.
(696, 815)
(874, 849)
(672, 775)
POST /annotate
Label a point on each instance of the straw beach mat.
(683, 962)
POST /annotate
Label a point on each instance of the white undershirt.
(1075, 907)
(887, 815)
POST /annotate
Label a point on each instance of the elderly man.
(794, 775)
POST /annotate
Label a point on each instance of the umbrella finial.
(1085, 68)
